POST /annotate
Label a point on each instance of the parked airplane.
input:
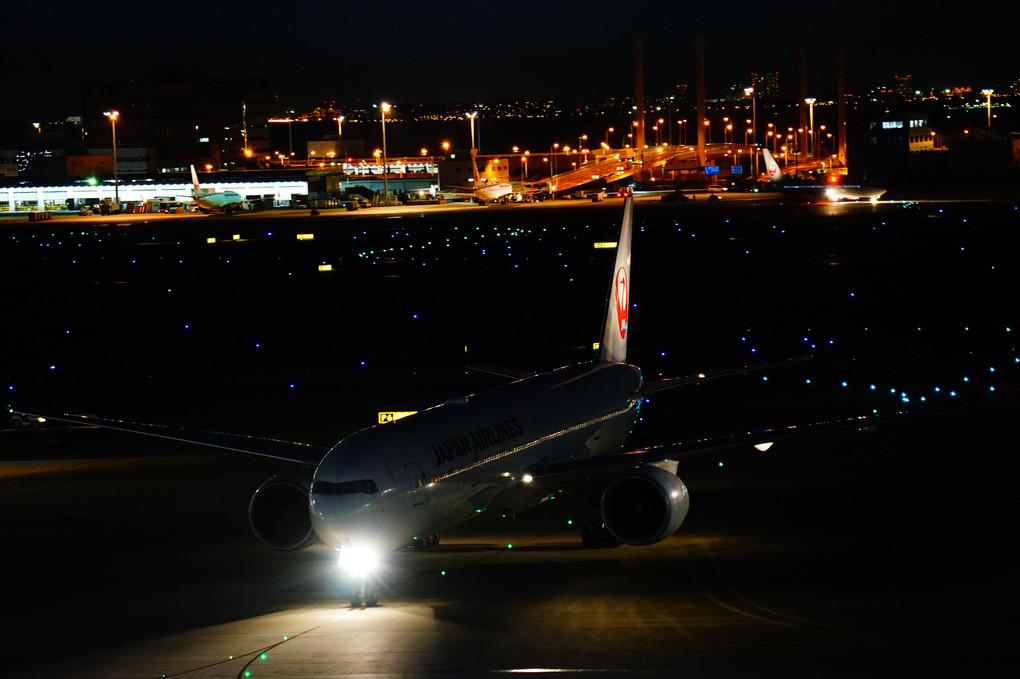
(506, 449)
(209, 200)
(486, 192)
(832, 192)
(490, 193)
(483, 191)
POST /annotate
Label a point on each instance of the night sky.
(458, 51)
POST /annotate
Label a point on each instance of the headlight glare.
(358, 560)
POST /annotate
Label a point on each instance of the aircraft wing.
(605, 466)
(509, 373)
(281, 450)
(608, 465)
(652, 386)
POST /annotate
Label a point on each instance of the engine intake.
(644, 505)
(279, 515)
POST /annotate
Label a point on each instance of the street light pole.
(988, 105)
(244, 128)
(749, 91)
(112, 115)
(385, 180)
(474, 153)
(810, 101)
(471, 118)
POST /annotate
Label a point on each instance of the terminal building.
(324, 184)
(134, 196)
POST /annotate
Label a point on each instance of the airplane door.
(411, 475)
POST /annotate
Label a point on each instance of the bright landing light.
(358, 560)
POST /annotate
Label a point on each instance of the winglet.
(194, 178)
(613, 348)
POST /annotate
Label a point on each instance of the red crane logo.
(621, 301)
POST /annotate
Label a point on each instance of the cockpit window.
(366, 486)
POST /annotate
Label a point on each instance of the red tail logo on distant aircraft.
(621, 301)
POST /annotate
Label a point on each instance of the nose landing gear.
(364, 592)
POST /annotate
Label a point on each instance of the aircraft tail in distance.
(771, 166)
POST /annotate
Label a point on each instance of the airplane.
(490, 193)
(483, 191)
(209, 200)
(862, 191)
(833, 192)
(506, 449)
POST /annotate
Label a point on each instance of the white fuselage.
(216, 201)
(491, 192)
(853, 192)
(443, 465)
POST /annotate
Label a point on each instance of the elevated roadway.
(619, 164)
(654, 162)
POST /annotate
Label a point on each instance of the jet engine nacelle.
(644, 505)
(279, 514)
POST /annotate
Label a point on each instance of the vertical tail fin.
(771, 166)
(474, 166)
(194, 178)
(613, 348)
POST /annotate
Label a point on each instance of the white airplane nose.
(357, 519)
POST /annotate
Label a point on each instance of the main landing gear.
(427, 541)
(595, 535)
